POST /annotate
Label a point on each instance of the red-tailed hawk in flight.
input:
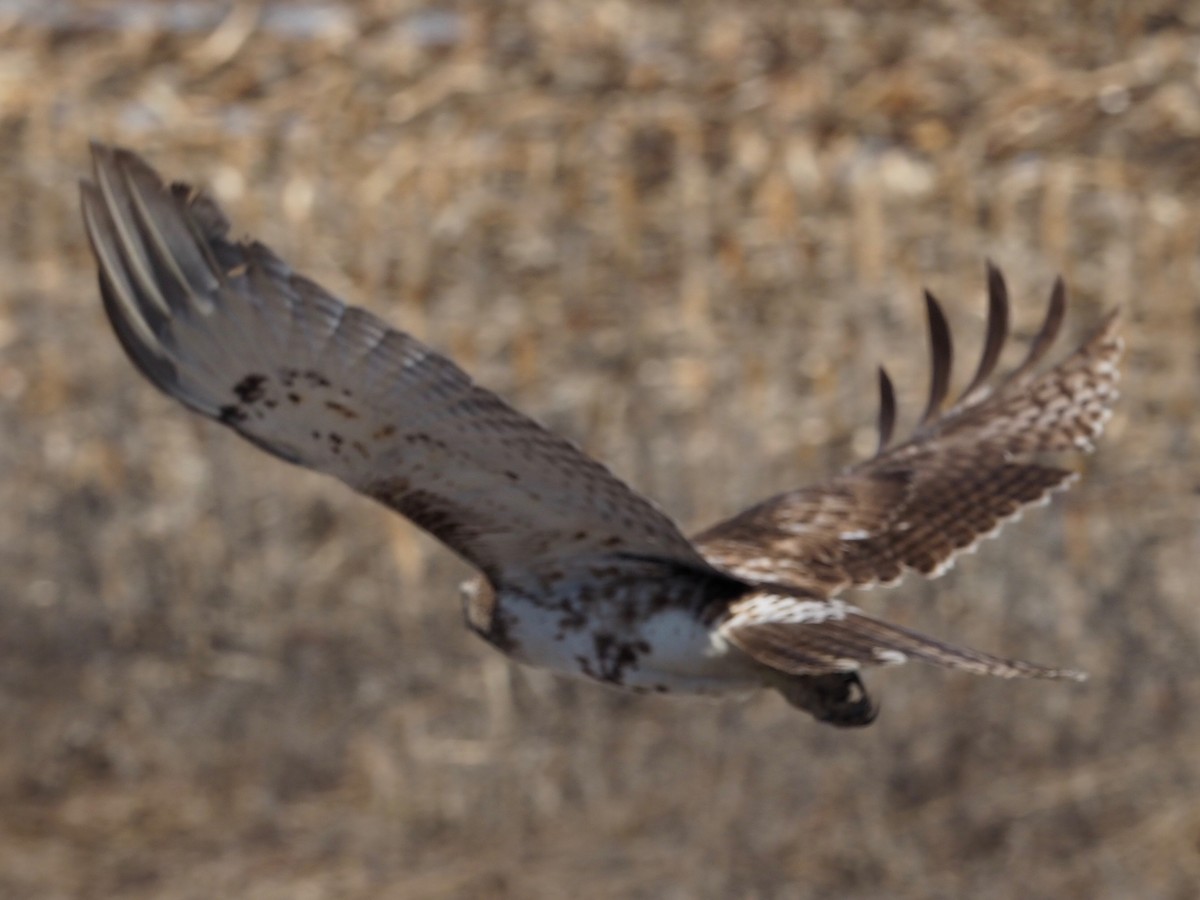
(578, 573)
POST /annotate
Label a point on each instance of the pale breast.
(634, 638)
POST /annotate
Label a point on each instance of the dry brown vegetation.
(683, 235)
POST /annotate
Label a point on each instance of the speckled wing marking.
(961, 475)
(812, 636)
(231, 331)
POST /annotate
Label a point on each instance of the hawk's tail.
(819, 646)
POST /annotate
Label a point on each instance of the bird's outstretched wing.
(963, 472)
(230, 330)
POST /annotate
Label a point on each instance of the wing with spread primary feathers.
(963, 472)
(228, 329)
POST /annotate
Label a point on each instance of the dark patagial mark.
(455, 526)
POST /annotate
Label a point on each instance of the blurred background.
(683, 235)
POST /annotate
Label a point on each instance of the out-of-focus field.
(684, 235)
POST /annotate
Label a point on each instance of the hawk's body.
(618, 623)
(578, 573)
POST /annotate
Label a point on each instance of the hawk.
(578, 573)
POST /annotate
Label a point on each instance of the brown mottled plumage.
(578, 573)
(961, 474)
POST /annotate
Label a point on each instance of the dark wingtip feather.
(1051, 325)
(156, 366)
(942, 358)
(887, 410)
(997, 330)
